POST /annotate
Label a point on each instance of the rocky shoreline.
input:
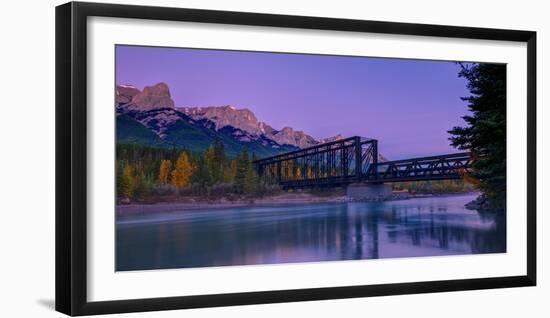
(481, 204)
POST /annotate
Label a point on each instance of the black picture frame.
(71, 157)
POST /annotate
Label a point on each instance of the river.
(284, 233)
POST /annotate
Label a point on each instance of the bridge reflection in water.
(355, 160)
(307, 233)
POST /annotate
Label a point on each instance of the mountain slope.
(149, 118)
(130, 131)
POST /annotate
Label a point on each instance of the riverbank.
(192, 203)
(482, 205)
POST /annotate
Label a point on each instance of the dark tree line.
(485, 132)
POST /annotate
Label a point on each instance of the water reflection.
(303, 233)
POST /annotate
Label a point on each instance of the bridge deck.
(444, 167)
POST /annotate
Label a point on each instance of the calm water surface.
(305, 233)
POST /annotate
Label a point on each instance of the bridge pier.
(369, 191)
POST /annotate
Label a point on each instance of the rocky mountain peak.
(125, 94)
(152, 97)
(289, 136)
(266, 129)
(157, 90)
(331, 139)
(222, 116)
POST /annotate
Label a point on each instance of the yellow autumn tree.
(125, 180)
(288, 169)
(164, 171)
(468, 179)
(298, 173)
(182, 171)
(309, 173)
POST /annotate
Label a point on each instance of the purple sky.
(408, 105)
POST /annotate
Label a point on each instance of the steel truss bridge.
(355, 160)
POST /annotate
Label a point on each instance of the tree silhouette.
(485, 132)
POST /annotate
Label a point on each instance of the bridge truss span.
(355, 160)
(333, 163)
(443, 167)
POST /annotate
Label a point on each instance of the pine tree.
(241, 171)
(230, 171)
(485, 133)
(251, 182)
(182, 171)
(201, 176)
(140, 185)
(219, 155)
(215, 158)
(164, 171)
(121, 184)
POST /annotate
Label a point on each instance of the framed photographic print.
(209, 158)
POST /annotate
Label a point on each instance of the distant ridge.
(150, 117)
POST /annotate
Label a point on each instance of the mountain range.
(150, 117)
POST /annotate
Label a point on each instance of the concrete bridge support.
(371, 191)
